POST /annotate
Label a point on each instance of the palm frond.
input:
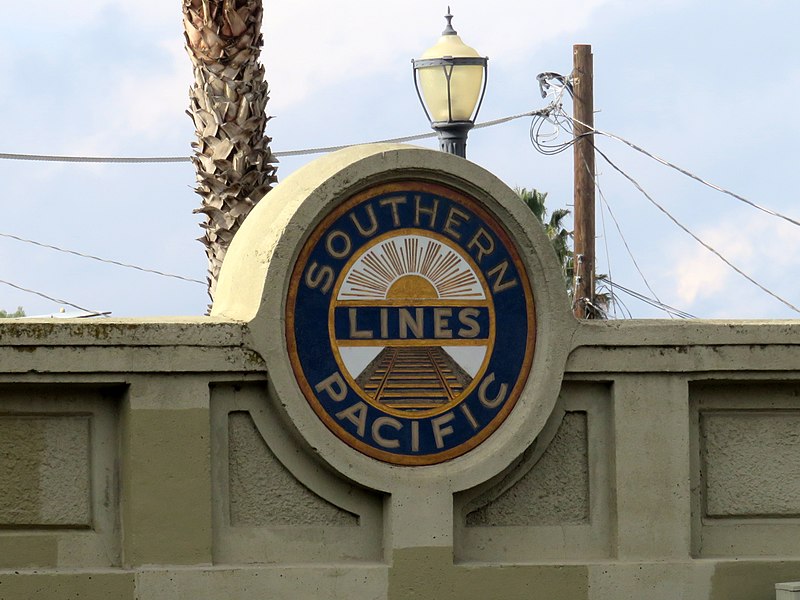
(561, 238)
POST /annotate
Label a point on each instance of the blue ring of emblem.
(410, 322)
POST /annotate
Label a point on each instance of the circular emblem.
(410, 323)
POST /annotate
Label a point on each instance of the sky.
(710, 85)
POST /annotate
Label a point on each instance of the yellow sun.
(410, 267)
(413, 287)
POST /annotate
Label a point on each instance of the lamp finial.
(449, 29)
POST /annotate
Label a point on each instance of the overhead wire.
(624, 307)
(609, 281)
(412, 138)
(554, 117)
(93, 159)
(176, 159)
(560, 116)
(655, 303)
(609, 276)
(562, 122)
(99, 259)
(307, 151)
(697, 239)
(559, 119)
(52, 299)
(553, 114)
(605, 242)
(604, 202)
(687, 173)
(173, 159)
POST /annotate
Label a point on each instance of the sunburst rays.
(374, 272)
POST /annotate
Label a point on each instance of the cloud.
(311, 45)
(82, 14)
(144, 107)
(109, 73)
(765, 248)
(147, 101)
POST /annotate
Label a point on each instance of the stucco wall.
(150, 460)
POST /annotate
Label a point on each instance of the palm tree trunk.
(235, 166)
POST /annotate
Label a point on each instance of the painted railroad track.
(413, 377)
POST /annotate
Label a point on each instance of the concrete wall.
(171, 459)
(151, 460)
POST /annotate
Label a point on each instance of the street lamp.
(450, 79)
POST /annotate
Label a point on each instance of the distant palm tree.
(234, 163)
(4, 314)
(554, 228)
(560, 238)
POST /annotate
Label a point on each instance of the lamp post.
(450, 80)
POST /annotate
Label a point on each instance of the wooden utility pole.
(583, 112)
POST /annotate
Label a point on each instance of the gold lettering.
(363, 334)
(468, 413)
(453, 221)
(373, 225)
(499, 285)
(315, 277)
(482, 250)
(376, 431)
(393, 202)
(438, 431)
(357, 415)
(497, 400)
(415, 436)
(440, 325)
(467, 317)
(418, 210)
(384, 323)
(346, 244)
(327, 384)
(415, 324)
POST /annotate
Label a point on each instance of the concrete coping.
(789, 586)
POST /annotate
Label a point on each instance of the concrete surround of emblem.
(255, 279)
(557, 493)
(264, 492)
(273, 504)
(554, 492)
